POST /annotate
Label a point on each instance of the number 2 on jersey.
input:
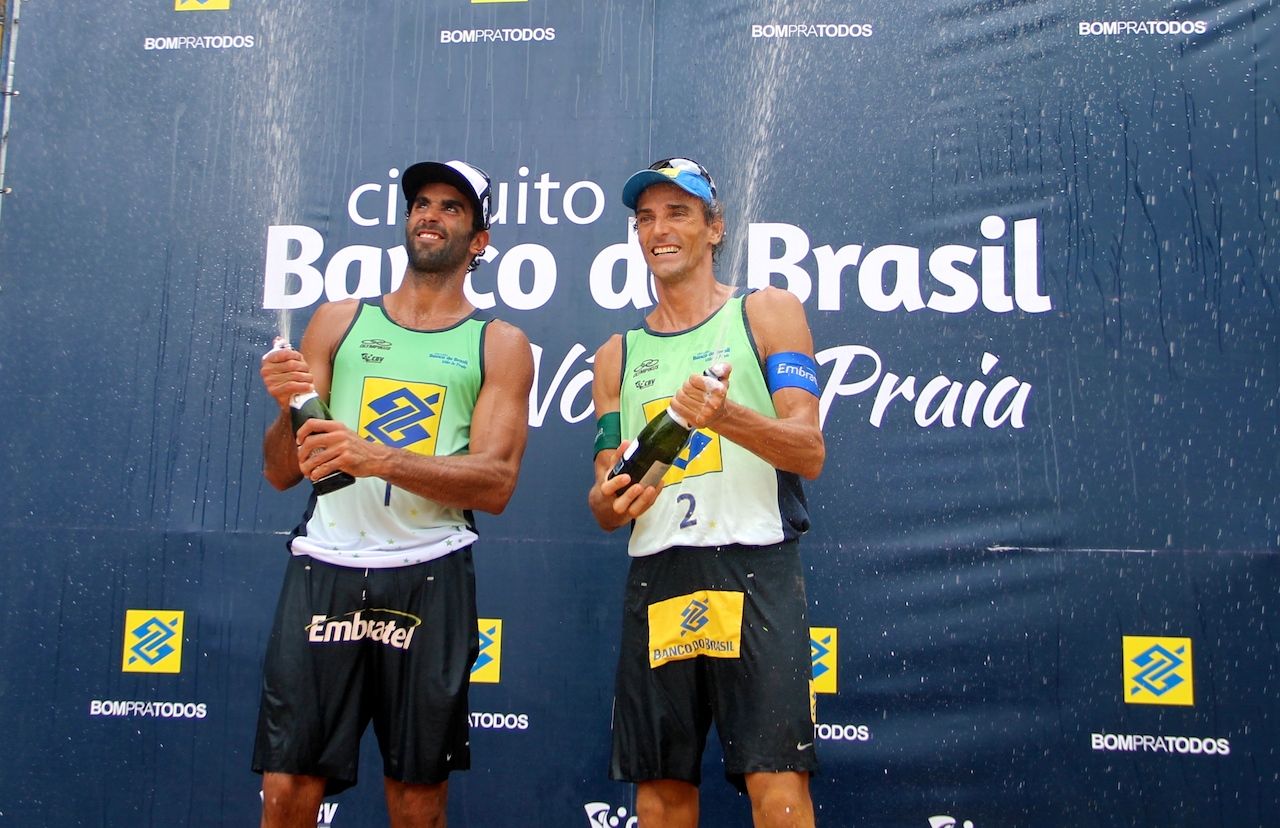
(688, 519)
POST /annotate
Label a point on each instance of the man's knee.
(780, 798)
(667, 802)
(289, 799)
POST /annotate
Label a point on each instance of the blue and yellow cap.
(689, 176)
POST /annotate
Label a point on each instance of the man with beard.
(377, 616)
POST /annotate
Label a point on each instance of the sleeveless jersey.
(414, 390)
(716, 492)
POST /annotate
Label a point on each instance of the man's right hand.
(618, 495)
(285, 373)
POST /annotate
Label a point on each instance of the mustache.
(429, 225)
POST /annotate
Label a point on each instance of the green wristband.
(608, 432)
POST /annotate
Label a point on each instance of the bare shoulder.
(507, 352)
(608, 359)
(778, 322)
(327, 326)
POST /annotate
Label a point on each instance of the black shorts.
(694, 664)
(394, 646)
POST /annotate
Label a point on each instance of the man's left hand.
(327, 446)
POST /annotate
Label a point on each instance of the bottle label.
(655, 474)
(298, 400)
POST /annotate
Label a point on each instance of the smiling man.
(377, 616)
(714, 617)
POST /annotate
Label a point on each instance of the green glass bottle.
(309, 406)
(659, 442)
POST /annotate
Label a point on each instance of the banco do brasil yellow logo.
(701, 455)
(405, 415)
(488, 666)
(201, 5)
(703, 623)
(1158, 670)
(823, 643)
(152, 641)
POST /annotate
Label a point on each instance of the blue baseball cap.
(689, 176)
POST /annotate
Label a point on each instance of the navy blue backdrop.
(1037, 245)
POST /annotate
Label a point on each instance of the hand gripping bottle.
(309, 406)
(654, 450)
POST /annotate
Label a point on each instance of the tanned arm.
(792, 442)
(610, 508)
(482, 479)
(290, 372)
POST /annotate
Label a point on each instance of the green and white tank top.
(717, 492)
(414, 390)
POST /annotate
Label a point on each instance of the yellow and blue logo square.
(201, 5)
(488, 666)
(404, 415)
(823, 648)
(152, 641)
(1157, 670)
(701, 455)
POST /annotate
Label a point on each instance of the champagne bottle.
(309, 406)
(659, 442)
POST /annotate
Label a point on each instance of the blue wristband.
(792, 369)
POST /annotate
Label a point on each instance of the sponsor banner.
(776, 30)
(488, 666)
(1158, 670)
(604, 815)
(201, 5)
(1144, 27)
(499, 721)
(1146, 743)
(541, 34)
(842, 732)
(706, 622)
(153, 641)
(148, 709)
(823, 649)
(169, 43)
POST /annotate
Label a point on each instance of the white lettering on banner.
(159, 710)
(547, 33)
(500, 721)
(902, 262)
(1158, 744)
(544, 277)
(1005, 402)
(635, 286)
(580, 382)
(162, 44)
(1144, 27)
(846, 733)
(811, 30)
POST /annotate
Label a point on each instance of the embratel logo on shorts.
(405, 415)
(381, 626)
(1158, 670)
(707, 622)
(153, 641)
(488, 666)
(823, 642)
(701, 455)
(201, 5)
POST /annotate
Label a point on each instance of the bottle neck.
(299, 400)
(677, 419)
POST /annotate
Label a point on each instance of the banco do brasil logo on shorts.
(201, 5)
(1158, 670)
(703, 623)
(152, 641)
(404, 415)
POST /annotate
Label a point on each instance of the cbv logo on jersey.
(405, 415)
